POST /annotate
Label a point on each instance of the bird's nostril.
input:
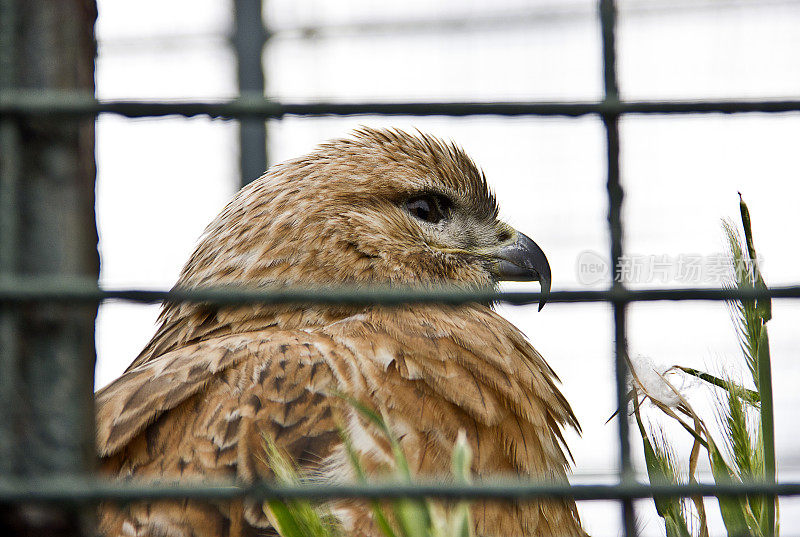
(504, 235)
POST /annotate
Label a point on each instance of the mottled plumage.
(199, 398)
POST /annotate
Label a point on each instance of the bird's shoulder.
(206, 409)
(215, 383)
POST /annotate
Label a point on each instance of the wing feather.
(133, 401)
(204, 410)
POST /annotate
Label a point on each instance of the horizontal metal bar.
(83, 490)
(29, 290)
(78, 105)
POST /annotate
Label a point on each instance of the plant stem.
(748, 395)
(767, 422)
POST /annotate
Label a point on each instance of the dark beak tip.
(544, 283)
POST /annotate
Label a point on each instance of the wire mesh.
(14, 291)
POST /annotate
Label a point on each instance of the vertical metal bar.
(9, 349)
(9, 219)
(608, 18)
(248, 41)
(47, 182)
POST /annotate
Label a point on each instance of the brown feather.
(200, 397)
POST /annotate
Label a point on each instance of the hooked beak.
(522, 261)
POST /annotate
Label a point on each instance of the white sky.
(162, 180)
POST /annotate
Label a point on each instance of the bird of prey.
(382, 207)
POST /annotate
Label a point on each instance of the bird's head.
(381, 207)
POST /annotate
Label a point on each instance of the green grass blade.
(294, 518)
(462, 525)
(413, 517)
(377, 511)
(764, 304)
(731, 508)
(461, 460)
(660, 471)
(746, 449)
(750, 396)
(738, 435)
(676, 527)
(381, 521)
(744, 312)
(767, 423)
(283, 516)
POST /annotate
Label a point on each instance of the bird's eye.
(428, 208)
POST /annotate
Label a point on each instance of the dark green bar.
(82, 490)
(616, 194)
(31, 290)
(249, 37)
(78, 105)
(10, 172)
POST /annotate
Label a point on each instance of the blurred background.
(160, 181)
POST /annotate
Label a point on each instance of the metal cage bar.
(70, 104)
(249, 38)
(608, 20)
(41, 290)
(78, 490)
(9, 220)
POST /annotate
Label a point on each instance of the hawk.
(381, 207)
